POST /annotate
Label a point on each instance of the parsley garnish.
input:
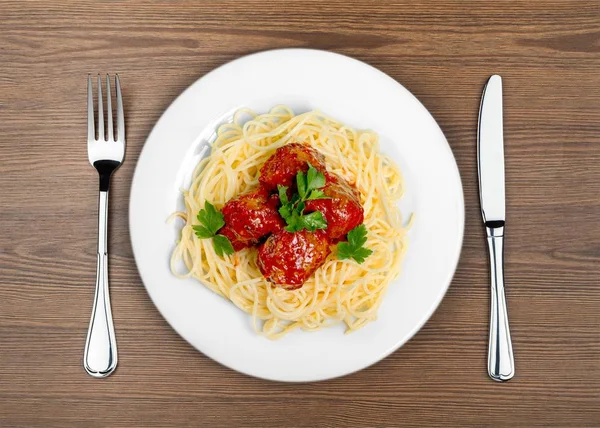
(354, 248)
(292, 210)
(211, 221)
(222, 245)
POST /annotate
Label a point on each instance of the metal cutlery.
(106, 155)
(490, 162)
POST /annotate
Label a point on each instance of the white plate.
(362, 97)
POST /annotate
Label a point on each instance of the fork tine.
(100, 111)
(91, 131)
(111, 135)
(120, 115)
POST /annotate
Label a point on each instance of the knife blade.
(490, 163)
(490, 149)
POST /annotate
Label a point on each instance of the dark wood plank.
(549, 55)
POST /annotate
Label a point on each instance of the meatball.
(343, 210)
(282, 166)
(250, 217)
(289, 259)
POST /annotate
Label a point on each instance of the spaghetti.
(340, 290)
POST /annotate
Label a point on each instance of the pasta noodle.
(340, 290)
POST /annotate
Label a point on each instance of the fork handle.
(501, 365)
(100, 356)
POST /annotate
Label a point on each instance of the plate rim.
(433, 307)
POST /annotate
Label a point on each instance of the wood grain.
(549, 55)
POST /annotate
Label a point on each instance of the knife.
(490, 163)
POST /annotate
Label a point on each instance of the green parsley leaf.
(314, 178)
(211, 219)
(354, 248)
(283, 194)
(293, 223)
(344, 251)
(202, 232)
(292, 210)
(357, 237)
(285, 211)
(301, 183)
(317, 194)
(313, 221)
(222, 245)
(361, 254)
(286, 206)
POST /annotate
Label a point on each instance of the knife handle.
(501, 365)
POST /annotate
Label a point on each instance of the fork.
(106, 155)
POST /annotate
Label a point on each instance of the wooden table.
(548, 53)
